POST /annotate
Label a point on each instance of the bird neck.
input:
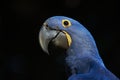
(81, 52)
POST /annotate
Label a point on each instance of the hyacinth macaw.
(81, 55)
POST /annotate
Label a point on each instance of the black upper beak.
(57, 37)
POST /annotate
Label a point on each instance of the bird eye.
(66, 23)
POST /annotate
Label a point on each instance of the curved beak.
(59, 38)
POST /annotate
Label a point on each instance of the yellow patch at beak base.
(68, 38)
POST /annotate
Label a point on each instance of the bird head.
(56, 30)
(62, 32)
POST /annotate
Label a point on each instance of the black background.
(22, 57)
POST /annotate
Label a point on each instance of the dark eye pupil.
(66, 23)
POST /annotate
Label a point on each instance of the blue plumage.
(82, 55)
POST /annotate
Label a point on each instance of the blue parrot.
(77, 46)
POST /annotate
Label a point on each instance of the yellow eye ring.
(66, 23)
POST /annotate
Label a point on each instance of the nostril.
(46, 25)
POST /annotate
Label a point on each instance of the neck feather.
(82, 52)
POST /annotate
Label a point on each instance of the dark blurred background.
(22, 57)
